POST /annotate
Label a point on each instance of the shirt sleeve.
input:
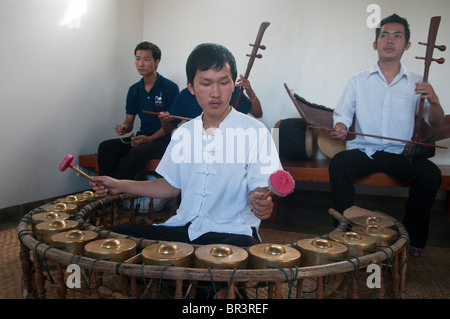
(345, 109)
(132, 106)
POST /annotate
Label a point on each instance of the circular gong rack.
(35, 257)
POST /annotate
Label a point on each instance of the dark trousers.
(180, 234)
(111, 152)
(423, 176)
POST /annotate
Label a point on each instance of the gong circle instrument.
(168, 253)
(46, 230)
(268, 265)
(357, 244)
(73, 241)
(273, 255)
(113, 249)
(319, 251)
(220, 256)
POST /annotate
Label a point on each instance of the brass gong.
(319, 251)
(46, 230)
(384, 236)
(60, 207)
(88, 195)
(357, 244)
(273, 255)
(373, 220)
(73, 199)
(47, 216)
(73, 241)
(220, 256)
(168, 253)
(113, 249)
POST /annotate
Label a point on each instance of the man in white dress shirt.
(383, 101)
(220, 162)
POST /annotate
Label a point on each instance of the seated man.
(123, 158)
(220, 162)
(384, 100)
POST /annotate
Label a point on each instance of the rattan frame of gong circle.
(394, 256)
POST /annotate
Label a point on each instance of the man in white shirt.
(220, 162)
(383, 101)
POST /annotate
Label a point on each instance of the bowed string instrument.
(422, 131)
(256, 46)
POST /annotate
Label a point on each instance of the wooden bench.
(307, 171)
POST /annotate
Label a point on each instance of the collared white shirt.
(381, 109)
(216, 173)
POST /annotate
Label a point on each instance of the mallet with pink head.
(281, 184)
(67, 162)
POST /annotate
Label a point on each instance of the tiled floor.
(306, 211)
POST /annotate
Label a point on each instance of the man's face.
(213, 90)
(392, 42)
(145, 64)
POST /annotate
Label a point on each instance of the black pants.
(180, 234)
(133, 158)
(423, 176)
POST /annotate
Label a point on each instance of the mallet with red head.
(281, 184)
(67, 162)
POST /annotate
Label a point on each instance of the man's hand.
(339, 132)
(104, 184)
(262, 208)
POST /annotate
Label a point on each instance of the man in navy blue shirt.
(123, 158)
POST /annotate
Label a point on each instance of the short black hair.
(156, 52)
(394, 19)
(209, 56)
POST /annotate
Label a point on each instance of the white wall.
(62, 90)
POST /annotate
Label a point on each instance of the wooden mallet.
(281, 184)
(67, 162)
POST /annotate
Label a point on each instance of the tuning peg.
(259, 56)
(439, 47)
(439, 60)
(262, 47)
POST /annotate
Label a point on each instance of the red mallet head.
(281, 184)
(67, 162)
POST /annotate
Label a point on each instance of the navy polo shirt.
(159, 99)
(186, 105)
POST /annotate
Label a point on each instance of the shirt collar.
(223, 125)
(376, 69)
(156, 84)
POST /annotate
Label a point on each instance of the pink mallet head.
(281, 183)
(66, 162)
